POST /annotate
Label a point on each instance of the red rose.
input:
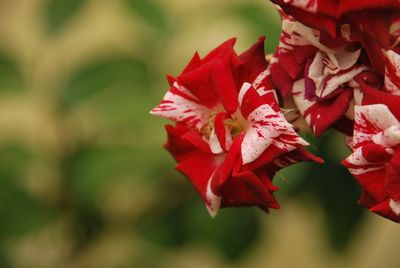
(318, 74)
(375, 161)
(230, 126)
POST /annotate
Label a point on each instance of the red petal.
(246, 189)
(392, 181)
(224, 84)
(223, 133)
(253, 61)
(324, 114)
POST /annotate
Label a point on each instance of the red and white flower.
(317, 71)
(233, 123)
(375, 161)
(209, 99)
(217, 177)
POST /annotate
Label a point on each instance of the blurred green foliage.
(60, 12)
(10, 75)
(121, 73)
(150, 12)
(332, 187)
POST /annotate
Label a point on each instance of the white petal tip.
(395, 206)
(247, 159)
(212, 211)
(303, 142)
(213, 202)
(214, 144)
(243, 90)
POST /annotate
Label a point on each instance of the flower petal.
(392, 72)
(266, 126)
(323, 114)
(181, 107)
(371, 120)
(247, 189)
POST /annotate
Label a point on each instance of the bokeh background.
(84, 181)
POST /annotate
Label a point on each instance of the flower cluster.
(237, 117)
(345, 74)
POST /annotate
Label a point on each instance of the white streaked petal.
(363, 170)
(266, 126)
(228, 139)
(388, 138)
(184, 90)
(215, 146)
(395, 206)
(332, 84)
(245, 87)
(253, 145)
(179, 109)
(393, 61)
(308, 5)
(213, 202)
(358, 96)
(357, 158)
(302, 103)
(345, 59)
(378, 115)
(260, 78)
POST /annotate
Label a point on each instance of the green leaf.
(335, 190)
(231, 233)
(150, 12)
(109, 73)
(92, 168)
(60, 12)
(168, 229)
(19, 212)
(262, 21)
(10, 75)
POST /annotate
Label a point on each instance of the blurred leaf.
(13, 157)
(168, 229)
(10, 75)
(113, 72)
(150, 12)
(232, 232)
(260, 18)
(335, 190)
(4, 262)
(19, 212)
(88, 223)
(339, 194)
(60, 12)
(92, 168)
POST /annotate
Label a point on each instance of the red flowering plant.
(337, 65)
(231, 136)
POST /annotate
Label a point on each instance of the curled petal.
(395, 206)
(247, 189)
(323, 114)
(266, 126)
(371, 120)
(181, 107)
(392, 72)
(392, 182)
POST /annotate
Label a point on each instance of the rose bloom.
(375, 161)
(231, 136)
(317, 72)
(346, 53)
